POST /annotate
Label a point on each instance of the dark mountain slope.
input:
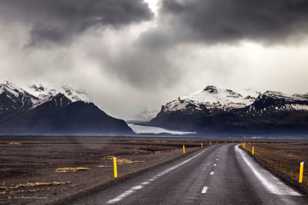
(77, 117)
(220, 112)
(54, 114)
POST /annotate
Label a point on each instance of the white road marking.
(120, 197)
(269, 181)
(145, 183)
(217, 159)
(141, 186)
(215, 165)
(204, 190)
(138, 187)
(152, 179)
(212, 173)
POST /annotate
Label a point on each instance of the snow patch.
(11, 88)
(141, 129)
(299, 107)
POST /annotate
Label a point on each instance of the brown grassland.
(283, 159)
(45, 169)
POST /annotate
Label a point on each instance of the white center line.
(212, 173)
(204, 190)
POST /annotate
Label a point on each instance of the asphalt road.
(221, 174)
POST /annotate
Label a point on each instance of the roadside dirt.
(43, 169)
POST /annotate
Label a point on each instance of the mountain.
(216, 110)
(43, 94)
(39, 109)
(14, 100)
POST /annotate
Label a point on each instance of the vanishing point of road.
(218, 175)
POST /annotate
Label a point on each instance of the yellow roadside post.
(301, 173)
(253, 151)
(184, 149)
(115, 167)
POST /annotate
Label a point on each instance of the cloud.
(220, 21)
(127, 64)
(60, 20)
(133, 60)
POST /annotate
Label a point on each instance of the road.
(220, 174)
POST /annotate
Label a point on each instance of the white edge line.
(269, 181)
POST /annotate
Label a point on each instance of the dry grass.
(71, 169)
(32, 185)
(283, 159)
(29, 164)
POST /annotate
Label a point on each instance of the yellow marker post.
(115, 167)
(184, 149)
(301, 173)
(253, 151)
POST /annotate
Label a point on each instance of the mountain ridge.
(38, 109)
(224, 110)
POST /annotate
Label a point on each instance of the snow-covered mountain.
(278, 101)
(212, 98)
(16, 98)
(217, 109)
(43, 93)
(13, 99)
(40, 109)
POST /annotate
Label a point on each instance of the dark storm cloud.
(60, 20)
(143, 64)
(215, 21)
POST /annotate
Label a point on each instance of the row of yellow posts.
(115, 163)
(301, 165)
(243, 145)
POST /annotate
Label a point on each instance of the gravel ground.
(41, 169)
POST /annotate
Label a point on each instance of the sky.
(135, 55)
